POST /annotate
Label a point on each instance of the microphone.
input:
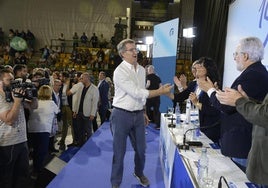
(220, 183)
(185, 145)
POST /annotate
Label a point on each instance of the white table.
(178, 175)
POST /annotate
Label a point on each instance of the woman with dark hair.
(208, 115)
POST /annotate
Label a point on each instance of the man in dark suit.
(235, 129)
(152, 104)
(103, 87)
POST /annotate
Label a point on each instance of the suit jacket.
(235, 129)
(208, 116)
(90, 104)
(103, 92)
(182, 96)
(257, 169)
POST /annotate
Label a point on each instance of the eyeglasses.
(236, 54)
(133, 50)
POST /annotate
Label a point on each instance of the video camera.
(42, 81)
(30, 91)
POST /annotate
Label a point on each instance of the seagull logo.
(171, 32)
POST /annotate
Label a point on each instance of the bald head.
(150, 69)
(85, 79)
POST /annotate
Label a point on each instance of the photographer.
(14, 162)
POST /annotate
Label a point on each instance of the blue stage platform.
(90, 167)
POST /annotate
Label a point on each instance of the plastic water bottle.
(196, 131)
(202, 167)
(178, 114)
(188, 111)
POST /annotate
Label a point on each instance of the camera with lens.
(29, 90)
(41, 81)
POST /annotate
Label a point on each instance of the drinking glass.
(170, 110)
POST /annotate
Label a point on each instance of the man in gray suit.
(85, 108)
(256, 114)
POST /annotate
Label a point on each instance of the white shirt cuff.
(180, 89)
(210, 91)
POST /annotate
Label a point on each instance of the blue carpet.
(90, 167)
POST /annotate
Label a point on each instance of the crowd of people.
(14, 56)
(84, 41)
(238, 113)
(38, 106)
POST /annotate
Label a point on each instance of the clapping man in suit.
(236, 131)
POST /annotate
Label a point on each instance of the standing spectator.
(127, 118)
(14, 161)
(152, 104)
(110, 96)
(11, 34)
(20, 71)
(56, 97)
(74, 93)
(2, 36)
(100, 55)
(45, 53)
(17, 59)
(85, 108)
(65, 109)
(102, 41)
(23, 58)
(236, 131)
(17, 33)
(40, 126)
(23, 35)
(84, 39)
(94, 40)
(30, 38)
(75, 41)
(103, 87)
(113, 42)
(62, 43)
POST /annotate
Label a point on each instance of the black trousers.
(14, 166)
(152, 110)
(84, 125)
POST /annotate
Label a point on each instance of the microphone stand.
(186, 145)
(171, 125)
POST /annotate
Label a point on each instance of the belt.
(135, 111)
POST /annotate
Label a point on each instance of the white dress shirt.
(129, 84)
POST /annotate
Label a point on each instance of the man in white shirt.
(127, 118)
